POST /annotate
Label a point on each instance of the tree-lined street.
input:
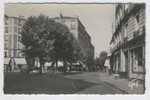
(99, 51)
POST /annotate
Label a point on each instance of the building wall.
(12, 46)
(128, 40)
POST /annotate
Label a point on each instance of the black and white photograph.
(74, 48)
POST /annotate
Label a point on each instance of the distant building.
(79, 32)
(12, 44)
(128, 41)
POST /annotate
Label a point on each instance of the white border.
(81, 97)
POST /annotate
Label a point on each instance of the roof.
(19, 17)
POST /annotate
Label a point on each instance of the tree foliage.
(102, 58)
(48, 40)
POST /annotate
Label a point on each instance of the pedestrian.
(107, 65)
(11, 64)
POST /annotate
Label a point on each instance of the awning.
(59, 63)
(48, 64)
(6, 60)
(20, 61)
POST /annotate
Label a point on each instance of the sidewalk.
(122, 84)
(99, 77)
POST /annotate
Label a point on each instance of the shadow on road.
(19, 83)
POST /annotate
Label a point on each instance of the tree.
(37, 39)
(66, 47)
(97, 63)
(102, 58)
(90, 63)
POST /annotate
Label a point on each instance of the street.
(57, 83)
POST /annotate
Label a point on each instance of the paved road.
(70, 83)
(101, 86)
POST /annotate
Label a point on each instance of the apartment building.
(127, 45)
(12, 37)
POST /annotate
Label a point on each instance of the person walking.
(11, 64)
(107, 65)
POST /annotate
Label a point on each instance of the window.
(6, 45)
(120, 13)
(19, 22)
(126, 6)
(137, 18)
(19, 38)
(6, 22)
(15, 21)
(6, 29)
(72, 20)
(15, 29)
(137, 60)
(73, 26)
(19, 30)
(125, 30)
(6, 37)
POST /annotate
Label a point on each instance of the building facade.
(127, 45)
(12, 44)
(79, 32)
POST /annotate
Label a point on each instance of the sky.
(97, 18)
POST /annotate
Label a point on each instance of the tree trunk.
(41, 66)
(64, 66)
(30, 62)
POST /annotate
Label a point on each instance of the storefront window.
(125, 30)
(137, 60)
(137, 20)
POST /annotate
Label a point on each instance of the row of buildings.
(127, 45)
(13, 47)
